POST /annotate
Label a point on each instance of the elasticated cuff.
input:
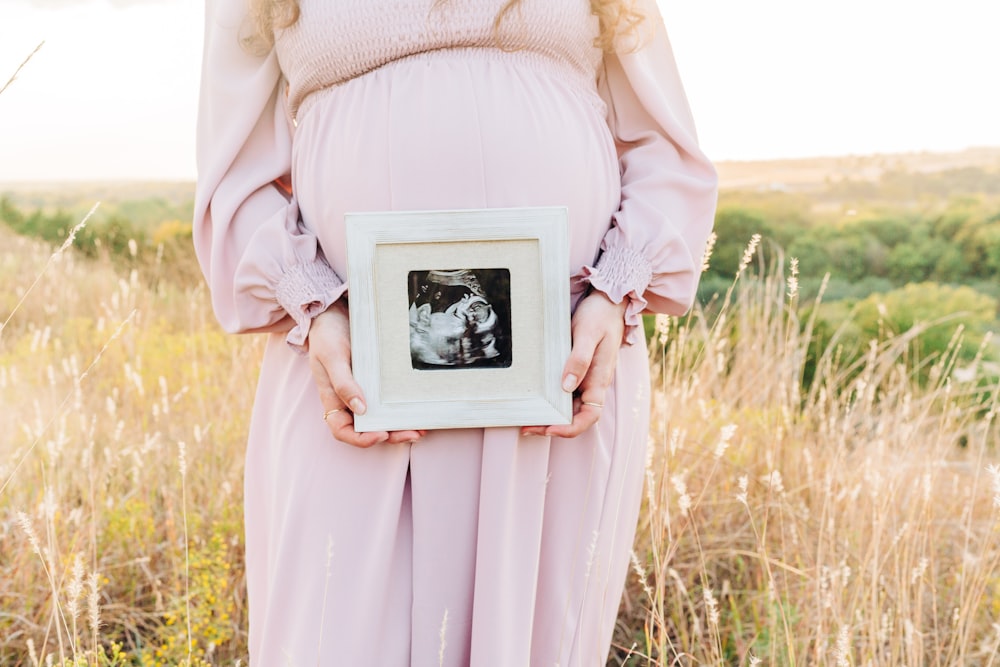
(623, 274)
(304, 291)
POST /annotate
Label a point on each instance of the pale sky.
(113, 92)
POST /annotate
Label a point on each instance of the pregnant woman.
(502, 546)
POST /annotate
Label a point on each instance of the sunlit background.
(112, 94)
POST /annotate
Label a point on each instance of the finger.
(397, 437)
(583, 419)
(340, 421)
(337, 369)
(345, 433)
(338, 418)
(594, 388)
(580, 357)
(593, 392)
(327, 394)
(593, 362)
(341, 425)
(342, 382)
(561, 430)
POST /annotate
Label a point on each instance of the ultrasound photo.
(460, 319)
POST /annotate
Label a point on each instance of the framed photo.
(460, 318)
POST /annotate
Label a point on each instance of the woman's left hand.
(598, 329)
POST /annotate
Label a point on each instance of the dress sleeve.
(266, 272)
(652, 254)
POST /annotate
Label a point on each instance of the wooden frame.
(494, 355)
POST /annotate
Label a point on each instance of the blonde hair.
(617, 19)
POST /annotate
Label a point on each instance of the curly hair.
(617, 19)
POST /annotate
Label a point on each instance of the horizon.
(807, 174)
(793, 91)
(968, 151)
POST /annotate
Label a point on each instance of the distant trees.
(913, 250)
(959, 244)
(165, 243)
(938, 309)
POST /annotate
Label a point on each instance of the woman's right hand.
(330, 361)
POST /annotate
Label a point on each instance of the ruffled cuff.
(622, 273)
(304, 291)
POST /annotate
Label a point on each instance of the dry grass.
(103, 379)
(843, 524)
(850, 523)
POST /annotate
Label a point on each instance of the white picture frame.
(499, 373)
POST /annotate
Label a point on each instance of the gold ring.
(596, 405)
(327, 414)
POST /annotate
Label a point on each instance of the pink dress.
(472, 547)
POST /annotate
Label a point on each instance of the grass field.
(853, 521)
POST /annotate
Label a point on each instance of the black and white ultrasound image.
(460, 318)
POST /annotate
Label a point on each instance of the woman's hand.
(330, 361)
(598, 328)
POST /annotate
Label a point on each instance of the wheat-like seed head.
(842, 651)
(994, 473)
(94, 601)
(748, 254)
(182, 457)
(25, 522)
(724, 438)
(742, 484)
(706, 257)
(793, 278)
(75, 587)
(711, 606)
(683, 498)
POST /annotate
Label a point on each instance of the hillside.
(812, 174)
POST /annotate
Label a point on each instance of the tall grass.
(90, 460)
(849, 522)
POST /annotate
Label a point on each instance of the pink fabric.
(399, 105)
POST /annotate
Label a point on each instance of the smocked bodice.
(336, 41)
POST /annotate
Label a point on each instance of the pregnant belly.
(454, 130)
